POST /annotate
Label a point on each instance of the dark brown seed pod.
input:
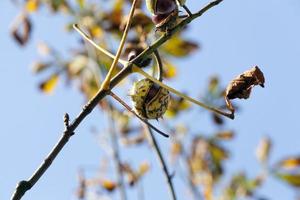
(165, 22)
(150, 101)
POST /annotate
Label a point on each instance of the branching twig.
(25, 185)
(106, 83)
(162, 162)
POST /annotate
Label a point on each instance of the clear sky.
(234, 36)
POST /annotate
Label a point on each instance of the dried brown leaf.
(241, 86)
(21, 29)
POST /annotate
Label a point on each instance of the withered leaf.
(241, 86)
(21, 29)
(179, 47)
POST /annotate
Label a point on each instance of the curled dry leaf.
(21, 29)
(241, 86)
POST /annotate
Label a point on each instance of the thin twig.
(162, 163)
(25, 185)
(116, 155)
(159, 65)
(106, 83)
(187, 10)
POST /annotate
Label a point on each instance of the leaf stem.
(106, 82)
(86, 37)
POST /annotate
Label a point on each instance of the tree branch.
(25, 185)
(162, 162)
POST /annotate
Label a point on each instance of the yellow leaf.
(292, 179)
(225, 135)
(32, 5)
(218, 152)
(169, 70)
(143, 168)
(176, 148)
(290, 163)
(81, 3)
(108, 185)
(49, 85)
(96, 31)
(178, 47)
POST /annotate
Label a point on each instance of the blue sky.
(234, 36)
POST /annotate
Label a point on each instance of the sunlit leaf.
(225, 135)
(143, 168)
(179, 47)
(169, 70)
(21, 29)
(218, 152)
(96, 31)
(292, 179)
(213, 87)
(290, 163)
(77, 65)
(176, 148)
(49, 85)
(108, 185)
(263, 149)
(32, 5)
(176, 105)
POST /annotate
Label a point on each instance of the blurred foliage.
(204, 157)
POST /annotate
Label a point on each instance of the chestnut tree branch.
(25, 185)
(162, 162)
